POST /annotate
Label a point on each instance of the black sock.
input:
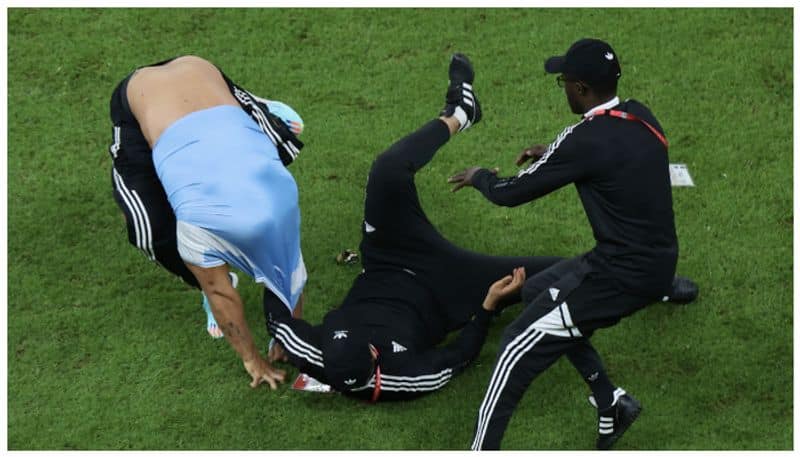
(587, 361)
(602, 389)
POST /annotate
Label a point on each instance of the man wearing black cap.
(617, 157)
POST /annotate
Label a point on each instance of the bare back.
(159, 96)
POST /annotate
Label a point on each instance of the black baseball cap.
(346, 354)
(589, 60)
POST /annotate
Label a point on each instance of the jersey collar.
(607, 105)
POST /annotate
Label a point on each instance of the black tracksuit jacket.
(621, 171)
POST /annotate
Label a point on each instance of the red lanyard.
(631, 117)
(377, 391)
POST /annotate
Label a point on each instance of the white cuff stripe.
(292, 343)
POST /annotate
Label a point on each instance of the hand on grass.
(261, 371)
(504, 287)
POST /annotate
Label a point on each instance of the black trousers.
(138, 192)
(397, 235)
(565, 304)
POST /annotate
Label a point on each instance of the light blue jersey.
(235, 202)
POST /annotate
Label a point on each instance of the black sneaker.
(684, 291)
(461, 101)
(615, 420)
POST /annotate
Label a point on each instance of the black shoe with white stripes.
(615, 420)
(684, 291)
(461, 101)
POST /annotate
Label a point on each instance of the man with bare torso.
(199, 170)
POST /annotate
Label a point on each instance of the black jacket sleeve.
(300, 340)
(566, 160)
(458, 354)
(421, 373)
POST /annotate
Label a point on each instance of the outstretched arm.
(562, 162)
(228, 310)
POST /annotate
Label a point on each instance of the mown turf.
(106, 351)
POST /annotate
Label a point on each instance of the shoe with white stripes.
(211, 324)
(461, 101)
(615, 420)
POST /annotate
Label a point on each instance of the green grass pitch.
(107, 351)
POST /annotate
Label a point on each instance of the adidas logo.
(397, 347)
(609, 56)
(368, 227)
(339, 334)
(350, 382)
(554, 293)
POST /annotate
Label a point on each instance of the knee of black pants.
(389, 177)
(389, 165)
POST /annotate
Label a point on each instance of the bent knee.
(388, 167)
